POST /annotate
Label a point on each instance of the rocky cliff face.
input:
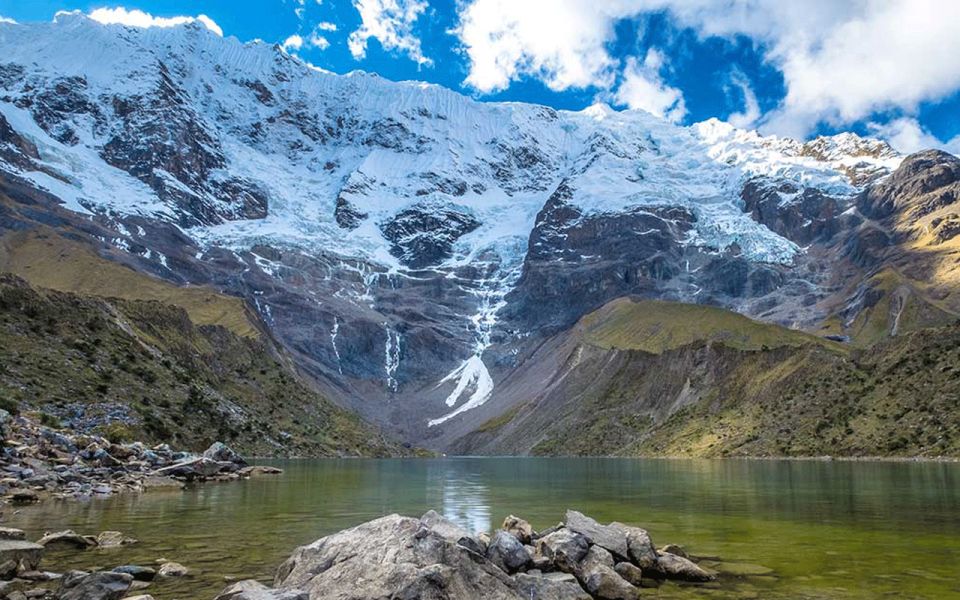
(409, 245)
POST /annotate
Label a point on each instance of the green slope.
(173, 380)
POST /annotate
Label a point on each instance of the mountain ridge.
(408, 245)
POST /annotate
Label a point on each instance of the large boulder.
(250, 589)
(598, 576)
(394, 557)
(565, 548)
(611, 537)
(639, 545)
(78, 585)
(508, 553)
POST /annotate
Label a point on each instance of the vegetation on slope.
(142, 369)
(651, 378)
(48, 260)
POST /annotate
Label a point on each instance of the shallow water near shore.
(782, 529)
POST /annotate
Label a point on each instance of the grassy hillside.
(50, 261)
(656, 327)
(651, 378)
(143, 369)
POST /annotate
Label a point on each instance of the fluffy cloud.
(841, 61)
(138, 18)
(292, 43)
(391, 23)
(907, 135)
(643, 88)
(4, 19)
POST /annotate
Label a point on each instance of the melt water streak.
(837, 530)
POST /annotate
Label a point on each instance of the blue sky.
(884, 67)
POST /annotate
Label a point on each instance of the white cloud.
(907, 135)
(560, 42)
(294, 43)
(841, 61)
(138, 18)
(643, 88)
(326, 26)
(391, 23)
(746, 118)
(4, 19)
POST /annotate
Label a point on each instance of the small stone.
(630, 572)
(675, 550)
(24, 496)
(172, 569)
(518, 528)
(507, 552)
(113, 539)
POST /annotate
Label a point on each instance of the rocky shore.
(39, 462)
(433, 558)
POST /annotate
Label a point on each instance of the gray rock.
(604, 583)
(25, 554)
(113, 539)
(630, 573)
(508, 553)
(220, 452)
(675, 550)
(610, 537)
(172, 569)
(254, 590)
(443, 526)
(393, 557)
(552, 586)
(672, 566)
(9, 533)
(78, 585)
(67, 537)
(639, 545)
(595, 556)
(519, 528)
(565, 548)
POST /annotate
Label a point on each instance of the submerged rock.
(79, 585)
(254, 590)
(672, 566)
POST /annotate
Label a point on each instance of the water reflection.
(460, 494)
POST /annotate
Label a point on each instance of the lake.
(823, 529)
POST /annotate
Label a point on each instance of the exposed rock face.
(401, 557)
(424, 235)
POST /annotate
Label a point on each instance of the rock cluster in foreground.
(38, 461)
(432, 557)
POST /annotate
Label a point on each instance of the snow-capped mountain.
(407, 242)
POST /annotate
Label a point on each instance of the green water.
(826, 529)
